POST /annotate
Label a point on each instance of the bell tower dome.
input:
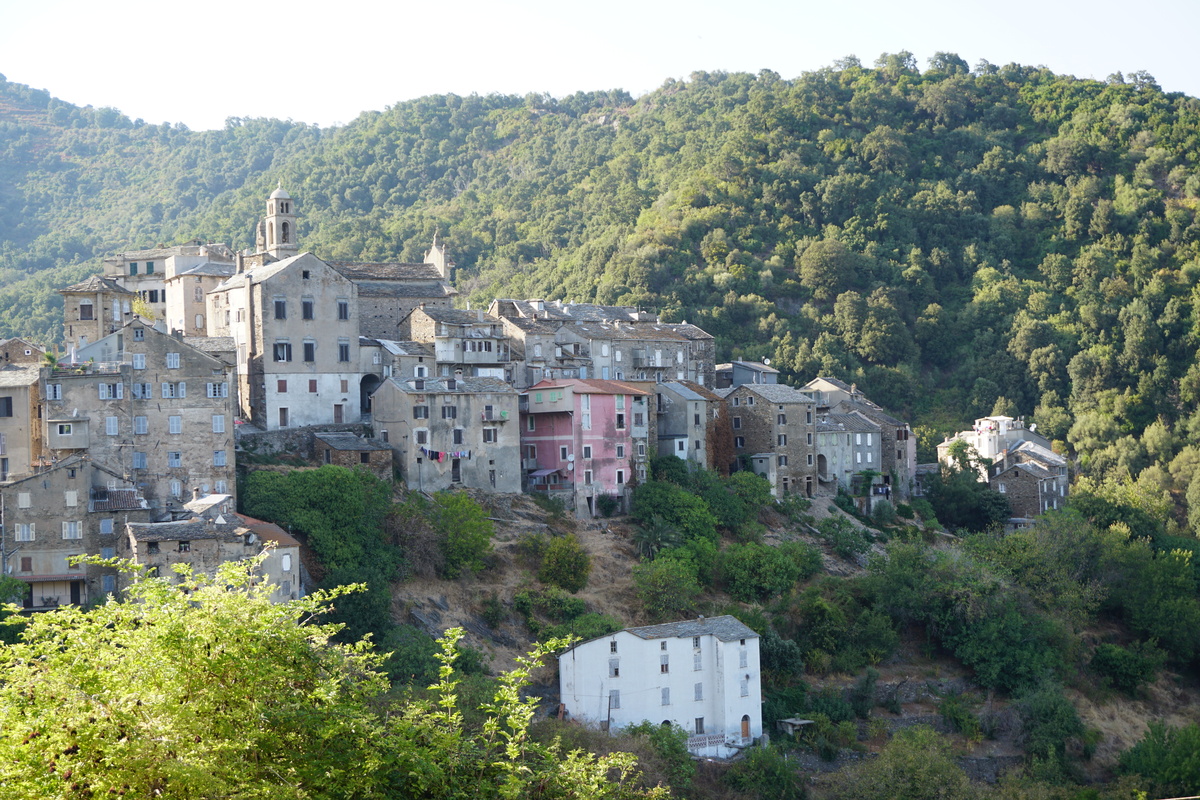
(277, 233)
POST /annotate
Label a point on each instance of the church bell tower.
(277, 232)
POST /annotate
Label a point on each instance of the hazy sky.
(324, 62)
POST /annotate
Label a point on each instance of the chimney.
(195, 492)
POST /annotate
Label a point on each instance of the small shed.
(346, 449)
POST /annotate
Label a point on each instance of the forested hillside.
(955, 240)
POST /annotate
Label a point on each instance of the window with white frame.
(112, 426)
(139, 460)
(54, 391)
(491, 435)
(24, 499)
(614, 698)
(739, 442)
(620, 451)
(172, 360)
(666, 696)
(217, 389)
(72, 529)
(587, 451)
(106, 525)
(699, 692)
(218, 423)
(174, 459)
(141, 425)
(25, 531)
(174, 424)
(664, 664)
(218, 458)
(70, 498)
(220, 487)
(620, 477)
(176, 488)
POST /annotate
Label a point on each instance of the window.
(587, 451)
(343, 309)
(699, 692)
(306, 308)
(699, 725)
(810, 438)
(141, 425)
(742, 657)
(1001, 488)
(783, 461)
(25, 531)
(168, 391)
(310, 351)
(614, 698)
(218, 421)
(662, 645)
(281, 386)
(149, 267)
(54, 391)
(620, 477)
(218, 458)
(172, 360)
(139, 460)
(198, 292)
(220, 487)
(620, 422)
(620, 451)
(750, 400)
(217, 389)
(870, 456)
(64, 429)
(745, 686)
(858, 439)
(587, 477)
(174, 460)
(664, 664)
(457, 436)
(72, 530)
(133, 268)
(185, 547)
(71, 498)
(737, 423)
(152, 548)
(23, 499)
(343, 351)
(283, 351)
(697, 662)
(739, 442)
(781, 440)
(139, 334)
(641, 449)
(280, 308)
(312, 385)
(614, 668)
(176, 488)
(345, 385)
(858, 458)
(681, 445)
(491, 435)
(175, 425)
(421, 436)
(285, 562)
(868, 440)
(420, 412)
(108, 583)
(666, 696)
(449, 412)
(139, 360)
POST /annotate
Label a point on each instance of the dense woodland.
(958, 241)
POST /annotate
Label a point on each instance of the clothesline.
(441, 455)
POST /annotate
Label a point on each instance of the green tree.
(667, 587)
(917, 764)
(464, 530)
(565, 564)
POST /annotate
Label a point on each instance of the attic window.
(304, 274)
(152, 548)
(185, 547)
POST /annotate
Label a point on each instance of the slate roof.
(630, 331)
(19, 375)
(183, 530)
(1035, 450)
(464, 385)
(556, 309)
(726, 628)
(211, 344)
(778, 392)
(1030, 467)
(689, 390)
(394, 288)
(262, 273)
(590, 386)
(850, 422)
(845, 387)
(458, 316)
(400, 348)
(96, 284)
(207, 268)
(871, 411)
(345, 440)
(757, 366)
(393, 271)
(119, 500)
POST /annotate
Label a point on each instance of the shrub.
(466, 532)
(904, 511)
(1128, 669)
(862, 696)
(492, 610)
(766, 773)
(884, 513)
(847, 540)
(780, 655)
(656, 535)
(670, 743)
(667, 587)
(924, 510)
(607, 505)
(1049, 722)
(554, 506)
(566, 564)
(686, 512)
(957, 711)
(1166, 757)
(917, 764)
(756, 571)
(754, 490)
(585, 626)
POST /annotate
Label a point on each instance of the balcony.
(494, 416)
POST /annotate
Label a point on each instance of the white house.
(700, 674)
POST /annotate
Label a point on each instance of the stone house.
(643, 351)
(898, 459)
(94, 308)
(20, 429)
(72, 509)
(281, 567)
(847, 446)
(780, 420)
(543, 352)
(145, 273)
(686, 412)
(186, 305)
(388, 292)
(346, 449)
(991, 438)
(700, 675)
(20, 351)
(741, 372)
(448, 432)
(295, 325)
(1032, 477)
(149, 407)
(201, 543)
(586, 438)
(470, 341)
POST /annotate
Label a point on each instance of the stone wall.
(298, 441)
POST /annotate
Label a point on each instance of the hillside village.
(179, 358)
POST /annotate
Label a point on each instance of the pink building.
(584, 439)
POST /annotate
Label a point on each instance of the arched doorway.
(367, 387)
(745, 726)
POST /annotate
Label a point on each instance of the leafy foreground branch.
(202, 688)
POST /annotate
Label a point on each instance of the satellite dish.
(571, 457)
(766, 362)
